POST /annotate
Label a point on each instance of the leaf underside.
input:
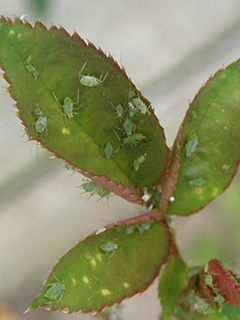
(209, 143)
(108, 267)
(44, 67)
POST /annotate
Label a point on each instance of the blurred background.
(169, 48)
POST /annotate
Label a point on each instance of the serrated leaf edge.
(178, 154)
(128, 194)
(139, 219)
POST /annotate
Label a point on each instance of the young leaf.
(78, 88)
(108, 266)
(209, 144)
(172, 283)
(226, 283)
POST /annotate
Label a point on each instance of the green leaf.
(78, 90)
(225, 282)
(209, 141)
(172, 283)
(108, 266)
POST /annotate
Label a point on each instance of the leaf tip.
(30, 308)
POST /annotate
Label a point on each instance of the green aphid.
(134, 139)
(89, 186)
(103, 192)
(220, 300)
(209, 280)
(144, 226)
(108, 150)
(191, 144)
(90, 81)
(130, 229)
(92, 187)
(69, 107)
(140, 105)
(41, 124)
(119, 111)
(30, 68)
(137, 163)
(133, 112)
(55, 291)
(37, 112)
(131, 94)
(108, 246)
(128, 126)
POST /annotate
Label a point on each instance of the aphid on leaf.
(37, 112)
(31, 69)
(220, 300)
(90, 81)
(108, 246)
(209, 280)
(130, 229)
(119, 111)
(137, 163)
(55, 291)
(144, 226)
(191, 144)
(128, 126)
(131, 94)
(108, 150)
(132, 112)
(132, 109)
(134, 140)
(41, 124)
(140, 105)
(69, 107)
(92, 187)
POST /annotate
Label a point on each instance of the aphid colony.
(127, 127)
(125, 114)
(218, 298)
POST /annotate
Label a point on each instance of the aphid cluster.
(128, 136)
(136, 104)
(126, 131)
(41, 120)
(218, 298)
(132, 228)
